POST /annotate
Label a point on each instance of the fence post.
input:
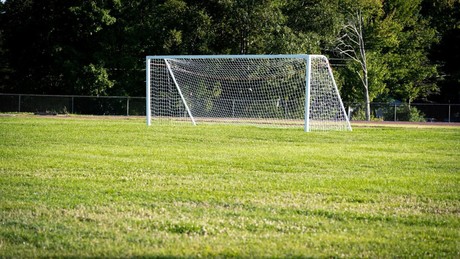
(395, 113)
(19, 103)
(127, 106)
(349, 112)
(449, 113)
(72, 105)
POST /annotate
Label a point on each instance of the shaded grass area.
(88, 187)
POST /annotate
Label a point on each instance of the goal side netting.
(272, 90)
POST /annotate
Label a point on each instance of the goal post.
(275, 90)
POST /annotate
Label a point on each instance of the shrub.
(404, 112)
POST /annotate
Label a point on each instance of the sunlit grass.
(113, 187)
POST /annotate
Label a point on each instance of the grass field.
(115, 188)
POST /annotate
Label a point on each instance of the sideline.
(403, 124)
(359, 124)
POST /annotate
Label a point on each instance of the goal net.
(275, 90)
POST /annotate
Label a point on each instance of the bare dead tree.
(351, 44)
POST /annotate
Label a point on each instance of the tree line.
(98, 47)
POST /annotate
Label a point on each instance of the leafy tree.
(4, 64)
(99, 46)
(247, 26)
(94, 80)
(397, 38)
(444, 16)
(315, 23)
(89, 20)
(411, 74)
(50, 42)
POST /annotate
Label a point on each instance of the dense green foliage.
(98, 47)
(92, 187)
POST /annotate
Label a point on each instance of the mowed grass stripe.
(113, 187)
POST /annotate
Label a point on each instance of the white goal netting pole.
(307, 94)
(276, 90)
(148, 101)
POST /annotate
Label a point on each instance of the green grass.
(115, 188)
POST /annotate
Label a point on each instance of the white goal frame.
(308, 77)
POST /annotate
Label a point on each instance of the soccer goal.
(275, 90)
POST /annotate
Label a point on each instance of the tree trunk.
(366, 94)
(368, 106)
(362, 51)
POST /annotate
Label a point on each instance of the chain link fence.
(414, 112)
(135, 106)
(73, 104)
